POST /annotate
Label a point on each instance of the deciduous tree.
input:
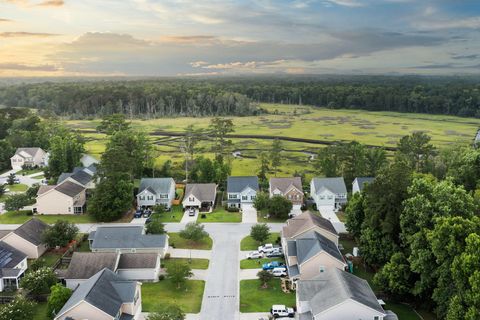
(260, 232)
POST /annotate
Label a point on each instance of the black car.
(138, 214)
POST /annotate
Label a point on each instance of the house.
(65, 198)
(13, 264)
(155, 191)
(83, 176)
(289, 188)
(360, 182)
(87, 160)
(200, 195)
(104, 296)
(130, 266)
(328, 192)
(241, 191)
(311, 254)
(28, 238)
(306, 222)
(127, 239)
(337, 295)
(33, 157)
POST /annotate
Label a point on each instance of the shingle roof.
(85, 264)
(306, 221)
(138, 261)
(126, 237)
(335, 185)
(44, 189)
(362, 180)
(64, 176)
(283, 184)
(205, 192)
(9, 256)
(69, 188)
(3, 233)
(105, 290)
(156, 185)
(238, 184)
(31, 151)
(79, 174)
(334, 287)
(32, 231)
(311, 244)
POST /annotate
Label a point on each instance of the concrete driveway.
(249, 213)
(328, 213)
(187, 218)
(249, 274)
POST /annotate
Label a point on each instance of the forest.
(239, 96)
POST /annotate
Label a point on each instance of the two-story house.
(289, 188)
(360, 182)
(200, 196)
(83, 176)
(65, 198)
(156, 191)
(330, 193)
(241, 191)
(33, 157)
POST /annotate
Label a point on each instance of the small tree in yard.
(260, 232)
(58, 297)
(60, 234)
(265, 277)
(194, 232)
(19, 309)
(11, 178)
(179, 273)
(2, 190)
(16, 201)
(279, 207)
(155, 227)
(159, 209)
(40, 281)
(169, 312)
(261, 201)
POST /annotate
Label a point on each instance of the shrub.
(39, 281)
(58, 297)
(167, 256)
(161, 277)
(60, 234)
(194, 232)
(19, 309)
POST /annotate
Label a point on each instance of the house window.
(330, 197)
(376, 318)
(190, 199)
(289, 197)
(164, 196)
(322, 269)
(69, 209)
(142, 197)
(244, 197)
(77, 210)
(253, 197)
(322, 197)
(232, 196)
(149, 197)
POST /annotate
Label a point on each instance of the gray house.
(127, 239)
(241, 191)
(200, 196)
(13, 264)
(154, 191)
(104, 296)
(360, 182)
(328, 192)
(83, 176)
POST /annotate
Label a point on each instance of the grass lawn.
(50, 258)
(18, 187)
(180, 243)
(257, 263)
(221, 215)
(18, 217)
(194, 263)
(40, 311)
(248, 243)
(164, 292)
(83, 247)
(175, 215)
(261, 218)
(28, 172)
(347, 244)
(255, 299)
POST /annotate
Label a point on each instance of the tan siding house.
(65, 198)
(28, 238)
(29, 156)
(289, 188)
(306, 222)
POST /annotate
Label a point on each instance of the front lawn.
(178, 242)
(249, 244)
(193, 263)
(175, 215)
(257, 263)
(221, 215)
(29, 172)
(189, 299)
(255, 299)
(19, 217)
(261, 218)
(18, 187)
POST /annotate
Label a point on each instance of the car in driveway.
(280, 310)
(279, 272)
(266, 248)
(191, 212)
(272, 265)
(138, 214)
(147, 213)
(276, 252)
(254, 255)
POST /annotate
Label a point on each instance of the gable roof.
(305, 221)
(283, 184)
(138, 261)
(361, 181)
(30, 151)
(335, 185)
(238, 184)
(311, 244)
(205, 192)
(79, 174)
(69, 188)
(105, 290)
(126, 237)
(85, 264)
(9, 256)
(32, 231)
(156, 185)
(334, 287)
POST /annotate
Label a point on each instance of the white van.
(279, 272)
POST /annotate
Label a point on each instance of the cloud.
(440, 24)
(51, 3)
(5, 20)
(347, 3)
(23, 67)
(18, 34)
(44, 3)
(466, 57)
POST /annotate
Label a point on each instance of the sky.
(232, 37)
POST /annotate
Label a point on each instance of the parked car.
(138, 214)
(280, 310)
(266, 248)
(149, 219)
(279, 272)
(191, 212)
(147, 213)
(272, 265)
(276, 252)
(254, 255)
(16, 180)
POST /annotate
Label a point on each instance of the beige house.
(64, 198)
(289, 188)
(29, 157)
(104, 296)
(200, 196)
(28, 238)
(306, 222)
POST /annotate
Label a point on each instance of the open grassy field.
(372, 128)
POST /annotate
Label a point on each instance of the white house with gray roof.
(34, 157)
(155, 191)
(360, 182)
(13, 264)
(241, 191)
(127, 239)
(328, 192)
(337, 295)
(104, 296)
